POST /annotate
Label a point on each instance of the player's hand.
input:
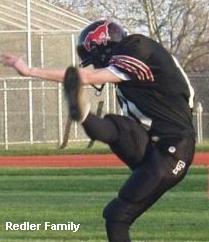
(16, 62)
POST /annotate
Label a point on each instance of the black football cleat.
(78, 105)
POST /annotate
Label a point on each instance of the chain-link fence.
(38, 113)
(33, 111)
(200, 82)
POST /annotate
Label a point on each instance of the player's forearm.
(48, 74)
(88, 76)
(97, 76)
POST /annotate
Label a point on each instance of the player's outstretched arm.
(22, 68)
(88, 76)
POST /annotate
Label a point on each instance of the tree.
(182, 26)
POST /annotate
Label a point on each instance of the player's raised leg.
(79, 108)
(127, 138)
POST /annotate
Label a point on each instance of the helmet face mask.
(96, 42)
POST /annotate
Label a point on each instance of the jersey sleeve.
(119, 73)
(131, 58)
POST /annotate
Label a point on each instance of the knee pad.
(119, 210)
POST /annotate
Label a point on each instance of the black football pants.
(156, 167)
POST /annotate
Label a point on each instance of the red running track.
(75, 161)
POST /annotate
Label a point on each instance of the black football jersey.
(155, 90)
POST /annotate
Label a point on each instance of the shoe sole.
(72, 85)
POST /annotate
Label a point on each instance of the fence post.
(199, 122)
(5, 116)
(43, 93)
(29, 59)
(60, 125)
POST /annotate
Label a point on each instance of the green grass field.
(72, 148)
(78, 195)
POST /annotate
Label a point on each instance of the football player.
(155, 137)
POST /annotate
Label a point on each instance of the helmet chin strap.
(98, 89)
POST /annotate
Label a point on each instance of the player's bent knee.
(119, 210)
